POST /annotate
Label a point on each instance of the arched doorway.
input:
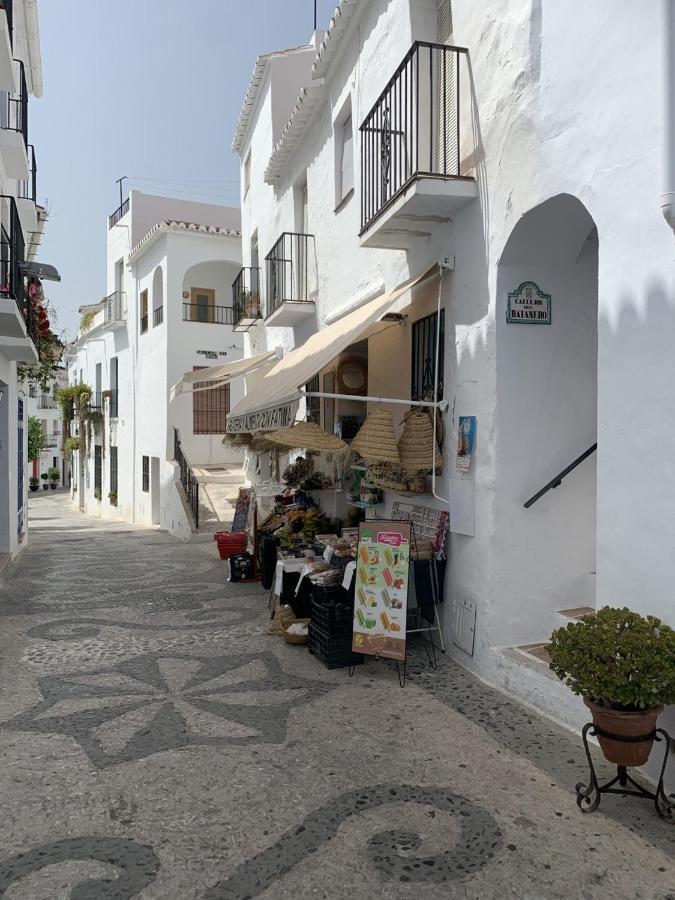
(547, 361)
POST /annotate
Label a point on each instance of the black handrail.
(246, 302)
(288, 270)
(188, 478)
(208, 315)
(121, 210)
(555, 482)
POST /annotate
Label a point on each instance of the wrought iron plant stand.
(588, 796)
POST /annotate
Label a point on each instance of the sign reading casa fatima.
(529, 305)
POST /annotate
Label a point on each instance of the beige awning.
(271, 402)
(221, 374)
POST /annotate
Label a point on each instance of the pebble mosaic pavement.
(156, 744)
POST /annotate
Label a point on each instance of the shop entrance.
(547, 359)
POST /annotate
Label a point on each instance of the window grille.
(98, 466)
(424, 358)
(113, 469)
(146, 474)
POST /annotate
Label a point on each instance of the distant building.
(167, 310)
(44, 406)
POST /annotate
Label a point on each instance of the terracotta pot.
(628, 724)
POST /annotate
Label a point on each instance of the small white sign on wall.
(528, 305)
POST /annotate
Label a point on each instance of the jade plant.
(618, 659)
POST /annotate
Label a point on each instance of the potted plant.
(623, 665)
(34, 483)
(112, 496)
(97, 493)
(45, 479)
(53, 473)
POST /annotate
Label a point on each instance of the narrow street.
(156, 743)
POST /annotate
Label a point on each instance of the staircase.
(218, 491)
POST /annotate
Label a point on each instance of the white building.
(22, 220)
(509, 138)
(43, 405)
(168, 309)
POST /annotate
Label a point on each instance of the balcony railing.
(412, 131)
(289, 270)
(47, 402)
(246, 300)
(96, 401)
(8, 7)
(119, 212)
(12, 254)
(114, 306)
(157, 315)
(207, 314)
(52, 439)
(28, 189)
(14, 112)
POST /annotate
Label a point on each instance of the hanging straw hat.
(376, 441)
(237, 440)
(307, 436)
(260, 442)
(417, 442)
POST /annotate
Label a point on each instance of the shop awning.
(271, 402)
(222, 374)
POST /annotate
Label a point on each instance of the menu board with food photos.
(381, 588)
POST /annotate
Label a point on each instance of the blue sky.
(145, 88)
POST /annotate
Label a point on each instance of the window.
(313, 403)
(55, 462)
(144, 311)
(344, 153)
(98, 469)
(247, 173)
(145, 486)
(202, 305)
(114, 394)
(210, 408)
(32, 391)
(113, 469)
(424, 358)
(98, 380)
(157, 297)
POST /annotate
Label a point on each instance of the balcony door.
(202, 304)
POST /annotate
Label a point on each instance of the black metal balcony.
(289, 265)
(119, 212)
(246, 300)
(52, 440)
(14, 111)
(96, 401)
(28, 188)
(413, 130)
(47, 402)
(12, 254)
(207, 314)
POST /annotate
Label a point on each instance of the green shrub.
(44, 476)
(53, 473)
(617, 658)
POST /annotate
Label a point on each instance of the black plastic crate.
(334, 651)
(332, 618)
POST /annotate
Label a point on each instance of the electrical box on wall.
(447, 262)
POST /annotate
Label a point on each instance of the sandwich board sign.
(528, 305)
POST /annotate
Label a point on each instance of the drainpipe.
(668, 196)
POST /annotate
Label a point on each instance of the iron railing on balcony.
(121, 210)
(52, 439)
(412, 131)
(158, 315)
(246, 300)
(96, 401)
(28, 188)
(8, 7)
(289, 268)
(114, 307)
(187, 477)
(12, 254)
(14, 111)
(207, 314)
(46, 401)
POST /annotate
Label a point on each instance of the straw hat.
(260, 442)
(416, 444)
(237, 440)
(307, 436)
(376, 441)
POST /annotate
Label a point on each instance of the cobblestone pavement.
(155, 743)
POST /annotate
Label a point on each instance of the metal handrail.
(121, 210)
(114, 307)
(188, 478)
(289, 265)
(208, 315)
(28, 188)
(246, 300)
(557, 481)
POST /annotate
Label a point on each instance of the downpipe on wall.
(668, 143)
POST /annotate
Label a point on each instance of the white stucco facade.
(153, 269)
(22, 223)
(565, 153)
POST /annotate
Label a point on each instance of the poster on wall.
(381, 598)
(528, 305)
(466, 442)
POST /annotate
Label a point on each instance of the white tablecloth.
(286, 565)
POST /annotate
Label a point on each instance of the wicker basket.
(295, 638)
